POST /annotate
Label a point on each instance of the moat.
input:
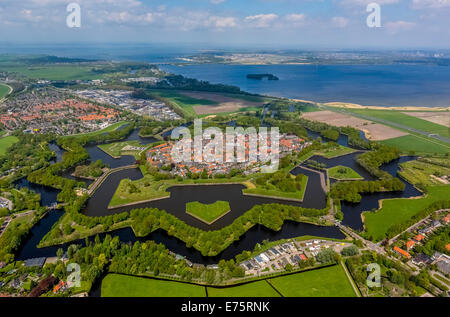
(315, 197)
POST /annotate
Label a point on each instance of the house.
(410, 244)
(60, 287)
(422, 259)
(419, 237)
(402, 252)
(446, 219)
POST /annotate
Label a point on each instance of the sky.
(275, 24)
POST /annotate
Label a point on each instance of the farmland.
(203, 103)
(418, 145)
(327, 282)
(114, 285)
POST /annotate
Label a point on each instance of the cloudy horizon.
(264, 23)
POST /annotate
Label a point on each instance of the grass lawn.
(297, 195)
(4, 90)
(114, 285)
(327, 282)
(118, 149)
(334, 152)
(406, 120)
(395, 211)
(418, 144)
(208, 213)
(6, 142)
(256, 289)
(343, 172)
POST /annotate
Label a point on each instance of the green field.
(334, 152)
(54, 72)
(343, 173)
(4, 91)
(6, 142)
(256, 289)
(123, 148)
(185, 103)
(114, 285)
(275, 193)
(418, 144)
(208, 213)
(327, 282)
(396, 211)
(406, 120)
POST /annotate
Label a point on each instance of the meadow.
(397, 211)
(6, 142)
(418, 145)
(115, 285)
(4, 91)
(326, 282)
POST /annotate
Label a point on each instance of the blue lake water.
(377, 85)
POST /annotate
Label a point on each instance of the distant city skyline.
(276, 24)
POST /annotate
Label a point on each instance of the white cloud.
(432, 4)
(339, 22)
(261, 20)
(399, 26)
(217, 1)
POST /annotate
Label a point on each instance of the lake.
(374, 85)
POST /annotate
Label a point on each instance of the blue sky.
(240, 23)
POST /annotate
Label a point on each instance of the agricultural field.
(208, 213)
(193, 103)
(405, 119)
(115, 285)
(399, 210)
(6, 142)
(441, 118)
(326, 282)
(343, 173)
(418, 145)
(116, 150)
(256, 289)
(374, 131)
